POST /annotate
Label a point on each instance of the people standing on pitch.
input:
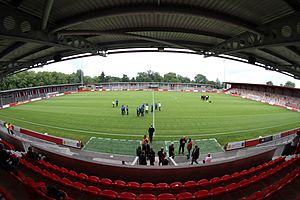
(156, 106)
(189, 148)
(113, 103)
(123, 110)
(142, 110)
(127, 112)
(171, 150)
(151, 131)
(195, 155)
(117, 103)
(151, 156)
(159, 106)
(152, 107)
(161, 155)
(147, 108)
(137, 111)
(182, 142)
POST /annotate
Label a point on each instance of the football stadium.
(80, 137)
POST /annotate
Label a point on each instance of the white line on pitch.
(163, 136)
(153, 115)
(88, 142)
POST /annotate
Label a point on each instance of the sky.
(184, 64)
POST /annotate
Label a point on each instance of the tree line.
(32, 79)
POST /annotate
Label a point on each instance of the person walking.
(171, 150)
(195, 155)
(151, 131)
(127, 112)
(189, 148)
(182, 142)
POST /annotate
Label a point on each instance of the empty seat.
(162, 186)
(147, 197)
(217, 191)
(166, 196)
(232, 187)
(215, 181)
(72, 173)
(83, 176)
(79, 186)
(93, 190)
(133, 185)
(244, 183)
(63, 170)
(105, 182)
(190, 184)
(176, 186)
(185, 196)
(127, 196)
(94, 179)
(203, 182)
(225, 177)
(109, 194)
(119, 184)
(147, 186)
(66, 181)
(201, 194)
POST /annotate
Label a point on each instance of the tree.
(269, 83)
(199, 78)
(290, 84)
(218, 84)
(183, 79)
(125, 78)
(102, 78)
(171, 77)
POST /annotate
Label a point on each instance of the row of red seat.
(119, 184)
(38, 188)
(7, 145)
(199, 194)
(4, 194)
(272, 189)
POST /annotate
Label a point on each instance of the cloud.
(184, 64)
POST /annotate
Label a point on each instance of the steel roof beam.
(48, 7)
(280, 32)
(20, 26)
(10, 49)
(148, 9)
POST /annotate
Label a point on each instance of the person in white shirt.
(159, 106)
(208, 158)
(113, 103)
(146, 108)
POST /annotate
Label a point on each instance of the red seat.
(83, 176)
(79, 186)
(232, 187)
(147, 197)
(119, 184)
(201, 194)
(162, 186)
(55, 177)
(127, 196)
(66, 181)
(93, 190)
(225, 177)
(255, 196)
(63, 170)
(203, 182)
(215, 181)
(217, 191)
(147, 186)
(166, 196)
(190, 184)
(105, 182)
(244, 183)
(133, 185)
(176, 186)
(185, 196)
(73, 173)
(235, 175)
(94, 179)
(109, 194)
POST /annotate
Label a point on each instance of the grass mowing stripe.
(161, 136)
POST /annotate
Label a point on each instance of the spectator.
(138, 151)
(55, 193)
(161, 155)
(295, 142)
(123, 162)
(142, 158)
(7, 161)
(165, 161)
(189, 148)
(182, 142)
(7, 127)
(171, 150)
(207, 159)
(33, 155)
(151, 131)
(145, 139)
(152, 156)
(195, 154)
(10, 128)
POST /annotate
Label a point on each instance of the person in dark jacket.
(152, 156)
(171, 151)
(161, 155)
(143, 158)
(151, 131)
(182, 142)
(195, 154)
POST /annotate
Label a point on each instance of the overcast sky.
(184, 64)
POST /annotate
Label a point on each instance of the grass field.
(85, 115)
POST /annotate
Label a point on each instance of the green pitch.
(85, 115)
